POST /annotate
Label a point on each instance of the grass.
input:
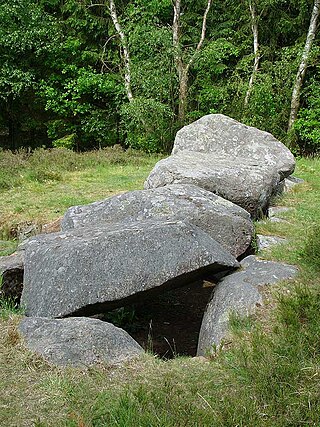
(37, 188)
(269, 376)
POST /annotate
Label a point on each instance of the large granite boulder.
(238, 162)
(238, 293)
(11, 276)
(225, 137)
(78, 341)
(87, 271)
(241, 181)
(226, 222)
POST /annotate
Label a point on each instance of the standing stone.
(87, 271)
(78, 341)
(224, 221)
(238, 293)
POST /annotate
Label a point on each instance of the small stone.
(266, 242)
(78, 341)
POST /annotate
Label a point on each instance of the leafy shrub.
(67, 141)
(148, 125)
(307, 126)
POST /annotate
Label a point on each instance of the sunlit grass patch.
(48, 182)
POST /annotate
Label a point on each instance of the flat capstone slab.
(227, 223)
(238, 293)
(78, 341)
(88, 271)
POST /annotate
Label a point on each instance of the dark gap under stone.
(167, 325)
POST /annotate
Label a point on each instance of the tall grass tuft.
(310, 253)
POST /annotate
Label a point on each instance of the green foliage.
(307, 126)
(148, 125)
(61, 71)
(67, 142)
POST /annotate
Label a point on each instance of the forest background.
(87, 74)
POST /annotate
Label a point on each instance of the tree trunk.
(183, 95)
(125, 49)
(182, 67)
(295, 100)
(255, 32)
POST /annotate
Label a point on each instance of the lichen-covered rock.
(238, 293)
(11, 274)
(78, 341)
(86, 271)
(265, 242)
(241, 181)
(223, 136)
(226, 222)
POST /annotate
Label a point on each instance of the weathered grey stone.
(78, 341)
(11, 272)
(291, 181)
(85, 271)
(276, 210)
(265, 242)
(238, 293)
(241, 181)
(226, 222)
(225, 137)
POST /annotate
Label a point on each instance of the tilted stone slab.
(11, 274)
(225, 137)
(226, 222)
(238, 293)
(241, 181)
(78, 341)
(86, 271)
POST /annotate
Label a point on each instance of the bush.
(148, 125)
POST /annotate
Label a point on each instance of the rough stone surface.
(241, 181)
(78, 341)
(11, 271)
(224, 136)
(276, 210)
(86, 271)
(238, 293)
(226, 222)
(291, 181)
(265, 242)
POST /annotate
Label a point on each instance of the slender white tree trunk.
(124, 49)
(295, 100)
(255, 33)
(183, 68)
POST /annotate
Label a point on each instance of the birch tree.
(124, 49)
(295, 100)
(183, 66)
(255, 33)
